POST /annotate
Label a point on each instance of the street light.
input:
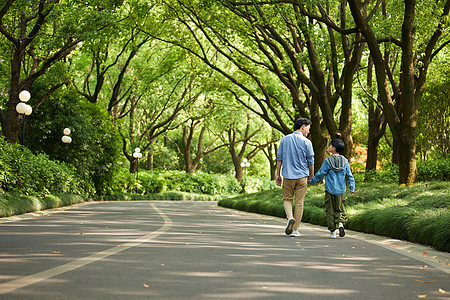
(24, 110)
(137, 154)
(66, 139)
(245, 164)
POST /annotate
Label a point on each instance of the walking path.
(197, 250)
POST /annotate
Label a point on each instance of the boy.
(336, 170)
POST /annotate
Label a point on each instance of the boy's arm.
(320, 174)
(350, 179)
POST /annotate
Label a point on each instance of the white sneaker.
(289, 226)
(295, 233)
(341, 230)
(332, 235)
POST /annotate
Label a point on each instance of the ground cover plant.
(418, 214)
(15, 203)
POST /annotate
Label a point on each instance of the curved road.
(197, 250)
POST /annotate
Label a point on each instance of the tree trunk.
(239, 171)
(150, 161)
(377, 127)
(271, 155)
(402, 123)
(376, 132)
(408, 104)
(407, 159)
(11, 121)
(133, 165)
(318, 140)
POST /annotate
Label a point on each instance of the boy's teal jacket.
(335, 169)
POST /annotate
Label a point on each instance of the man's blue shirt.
(296, 152)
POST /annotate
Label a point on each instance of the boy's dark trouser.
(334, 208)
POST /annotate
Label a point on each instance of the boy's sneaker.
(332, 235)
(289, 226)
(341, 230)
(295, 233)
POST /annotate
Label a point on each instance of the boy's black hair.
(300, 122)
(338, 144)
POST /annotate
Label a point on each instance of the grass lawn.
(418, 214)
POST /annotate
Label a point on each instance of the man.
(296, 155)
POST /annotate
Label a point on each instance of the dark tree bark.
(29, 28)
(401, 111)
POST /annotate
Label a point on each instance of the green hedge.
(428, 170)
(15, 204)
(437, 169)
(168, 196)
(158, 181)
(23, 172)
(419, 214)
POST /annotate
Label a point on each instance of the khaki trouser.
(294, 189)
(335, 210)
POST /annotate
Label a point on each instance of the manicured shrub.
(157, 181)
(168, 196)
(15, 203)
(428, 170)
(96, 145)
(37, 175)
(436, 169)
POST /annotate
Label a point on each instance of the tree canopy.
(203, 79)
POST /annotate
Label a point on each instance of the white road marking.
(31, 279)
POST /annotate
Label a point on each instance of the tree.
(243, 142)
(95, 147)
(376, 122)
(36, 35)
(149, 120)
(279, 38)
(401, 108)
(433, 125)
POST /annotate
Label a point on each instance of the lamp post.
(137, 154)
(245, 164)
(24, 110)
(66, 139)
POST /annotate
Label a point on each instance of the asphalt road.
(197, 250)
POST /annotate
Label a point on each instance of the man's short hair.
(300, 122)
(338, 144)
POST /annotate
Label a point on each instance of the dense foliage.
(158, 181)
(23, 172)
(95, 147)
(427, 170)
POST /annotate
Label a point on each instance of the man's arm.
(278, 179)
(311, 172)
